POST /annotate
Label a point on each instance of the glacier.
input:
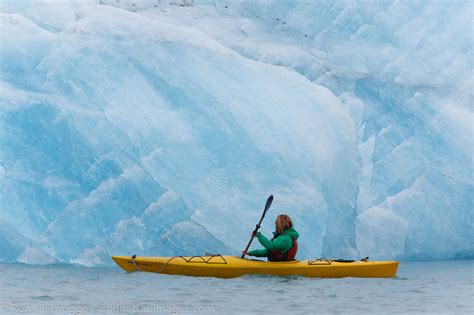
(160, 127)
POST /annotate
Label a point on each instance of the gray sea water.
(445, 287)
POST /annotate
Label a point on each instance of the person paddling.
(283, 246)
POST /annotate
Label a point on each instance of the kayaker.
(283, 246)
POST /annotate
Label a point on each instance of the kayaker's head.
(282, 223)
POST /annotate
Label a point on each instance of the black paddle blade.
(268, 203)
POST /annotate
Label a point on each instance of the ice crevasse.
(160, 127)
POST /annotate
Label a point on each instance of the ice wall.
(160, 129)
(405, 71)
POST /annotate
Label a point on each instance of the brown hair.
(282, 223)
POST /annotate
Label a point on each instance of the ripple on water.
(185, 294)
(21, 278)
(415, 291)
(400, 278)
(279, 291)
(42, 298)
(67, 297)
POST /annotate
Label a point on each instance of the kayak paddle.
(267, 206)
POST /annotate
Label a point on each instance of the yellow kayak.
(230, 267)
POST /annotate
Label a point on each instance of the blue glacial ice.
(160, 127)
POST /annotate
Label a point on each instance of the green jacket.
(281, 243)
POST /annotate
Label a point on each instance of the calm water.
(421, 287)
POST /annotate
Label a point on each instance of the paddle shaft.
(267, 206)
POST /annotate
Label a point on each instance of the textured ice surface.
(157, 129)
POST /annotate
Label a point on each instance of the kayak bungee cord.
(188, 260)
(135, 267)
(135, 264)
(320, 261)
(166, 264)
(325, 261)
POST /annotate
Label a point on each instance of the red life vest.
(276, 255)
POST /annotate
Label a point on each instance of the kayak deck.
(231, 267)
